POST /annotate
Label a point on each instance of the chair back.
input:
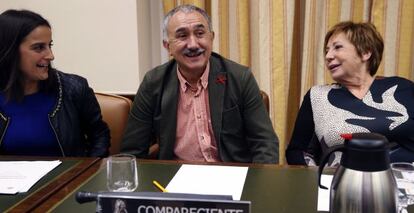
(115, 110)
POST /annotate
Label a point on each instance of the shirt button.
(202, 137)
(198, 116)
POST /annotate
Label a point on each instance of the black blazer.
(241, 124)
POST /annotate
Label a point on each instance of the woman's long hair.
(15, 25)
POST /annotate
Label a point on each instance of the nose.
(329, 56)
(192, 42)
(49, 55)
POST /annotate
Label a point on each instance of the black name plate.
(169, 203)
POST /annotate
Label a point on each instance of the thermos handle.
(325, 160)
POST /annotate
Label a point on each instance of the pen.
(159, 186)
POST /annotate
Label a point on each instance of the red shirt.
(194, 135)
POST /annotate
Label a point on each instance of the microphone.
(84, 197)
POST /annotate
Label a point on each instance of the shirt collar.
(184, 84)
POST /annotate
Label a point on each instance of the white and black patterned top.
(331, 110)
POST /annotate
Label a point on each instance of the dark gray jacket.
(240, 122)
(76, 119)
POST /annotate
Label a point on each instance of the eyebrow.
(37, 43)
(198, 26)
(183, 29)
(333, 43)
(41, 43)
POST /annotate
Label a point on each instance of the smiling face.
(36, 55)
(342, 59)
(189, 41)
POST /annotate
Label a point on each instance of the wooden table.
(270, 188)
(54, 181)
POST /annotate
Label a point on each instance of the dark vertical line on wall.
(294, 98)
(370, 7)
(208, 7)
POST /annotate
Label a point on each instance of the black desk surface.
(269, 188)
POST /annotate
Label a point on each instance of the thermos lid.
(366, 152)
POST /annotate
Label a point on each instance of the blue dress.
(29, 131)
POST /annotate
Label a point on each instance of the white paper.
(210, 180)
(20, 176)
(406, 183)
(409, 176)
(323, 194)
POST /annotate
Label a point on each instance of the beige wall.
(99, 39)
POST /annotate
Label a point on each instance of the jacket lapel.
(169, 102)
(216, 88)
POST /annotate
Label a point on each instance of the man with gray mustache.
(199, 106)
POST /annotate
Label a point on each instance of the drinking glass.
(404, 175)
(121, 173)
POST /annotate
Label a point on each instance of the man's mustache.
(193, 51)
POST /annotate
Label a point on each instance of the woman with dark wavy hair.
(43, 111)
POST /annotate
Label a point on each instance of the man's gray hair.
(185, 8)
